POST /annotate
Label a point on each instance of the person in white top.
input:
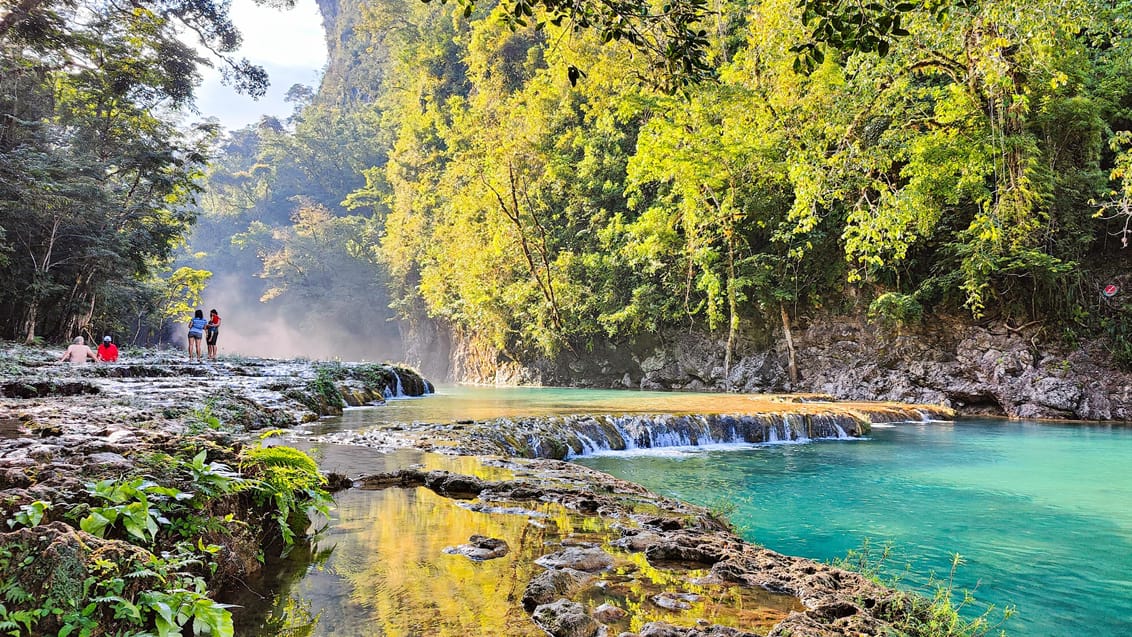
(78, 352)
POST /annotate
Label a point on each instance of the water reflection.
(388, 574)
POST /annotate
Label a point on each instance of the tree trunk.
(732, 309)
(29, 326)
(792, 365)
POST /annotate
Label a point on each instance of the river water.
(1040, 513)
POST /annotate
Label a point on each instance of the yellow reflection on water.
(389, 576)
(397, 570)
(466, 404)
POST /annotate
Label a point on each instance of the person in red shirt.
(211, 332)
(108, 351)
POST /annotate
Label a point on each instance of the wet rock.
(109, 460)
(589, 560)
(454, 484)
(675, 601)
(609, 614)
(551, 585)
(480, 548)
(43, 453)
(338, 482)
(443, 482)
(662, 629)
(686, 548)
(564, 618)
(636, 542)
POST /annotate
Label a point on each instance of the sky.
(289, 44)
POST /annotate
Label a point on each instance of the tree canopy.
(547, 175)
(96, 176)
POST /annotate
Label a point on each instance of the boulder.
(564, 618)
(551, 585)
(609, 614)
(480, 548)
(587, 560)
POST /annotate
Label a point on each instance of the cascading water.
(569, 436)
(398, 390)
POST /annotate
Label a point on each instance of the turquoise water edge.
(1040, 513)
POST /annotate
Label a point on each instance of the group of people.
(78, 352)
(208, 330)
(199, 329)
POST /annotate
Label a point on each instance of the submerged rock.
(564, 618)
(609, 614)
(587, 560)
(551, 585)
(480, 548)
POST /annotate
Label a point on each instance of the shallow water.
(1041, 513)
(467, 403)
(382, 568)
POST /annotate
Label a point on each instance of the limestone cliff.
(990, 369)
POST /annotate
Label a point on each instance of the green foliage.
(203, 418)
(140, 593)
(947, 150)
(95, 175)
(130, 503)
(179, 602)
(290, 482)
(673, 40)
(180, 293)
(938, 613)
(30, 514)
(896, 309)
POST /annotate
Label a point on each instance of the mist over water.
(272, 329)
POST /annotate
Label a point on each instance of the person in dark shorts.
(211, 332)
(196, 333)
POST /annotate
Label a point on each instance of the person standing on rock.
(108, 351)
(212, 331)
(196, 333)
(78, 352)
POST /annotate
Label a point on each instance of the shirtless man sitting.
(78, 352)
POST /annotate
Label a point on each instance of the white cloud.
(289, 44)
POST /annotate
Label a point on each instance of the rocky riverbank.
(132, 490)
(992, 369)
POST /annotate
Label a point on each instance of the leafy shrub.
(128, 502)
(289, 481)
(894, 309)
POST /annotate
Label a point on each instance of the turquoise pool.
(1041, 513)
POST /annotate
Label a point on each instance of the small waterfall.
(398, 390)
(568, 436)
